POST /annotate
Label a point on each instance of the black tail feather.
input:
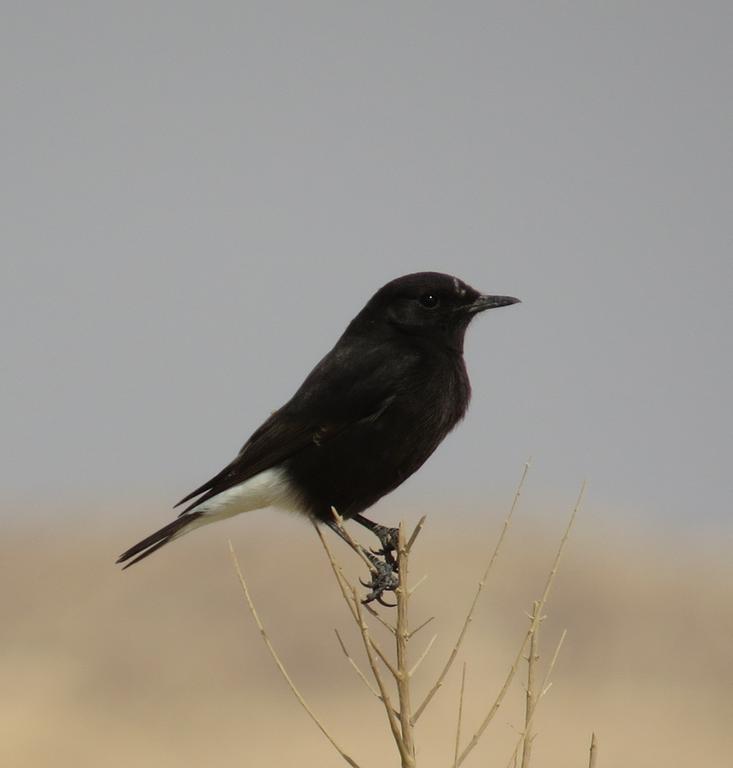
(156, 540)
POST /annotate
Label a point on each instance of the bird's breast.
(363, 463)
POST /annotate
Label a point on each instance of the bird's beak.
(491, 302)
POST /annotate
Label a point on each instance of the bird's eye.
(429, 300)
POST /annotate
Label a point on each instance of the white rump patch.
(270, 488)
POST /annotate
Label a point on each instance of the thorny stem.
(593, 751)
(472, 608)
(281, 666)
(546, 685)
(402, 719)
(533, 626)
(460, 717)
(402, 637)
(373, 651)
(394, 723)
(531, 697)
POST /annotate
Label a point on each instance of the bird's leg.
(384, 576)
(388, 538)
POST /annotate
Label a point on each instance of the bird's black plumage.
(369, 414)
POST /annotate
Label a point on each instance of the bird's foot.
(389, 539)
(385, 578)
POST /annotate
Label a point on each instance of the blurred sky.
(197, 197)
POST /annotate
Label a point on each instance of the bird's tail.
(156, 540)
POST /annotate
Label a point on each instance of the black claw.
(384, 579)
(385, 604)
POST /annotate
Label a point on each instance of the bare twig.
(546, 685)
(394, 671)
(531, 697)
(281, 666)
(460, 717)
(344, 585)
(350, 540)
(413, 632)
(394, 722)
(402, 636)
(422, 655)
(402, 737)
(417, 584)
(469, 617)
(381, 620)
(593, 751)
(356, 667)
(533, 626)
(415, 533)
(347, 590)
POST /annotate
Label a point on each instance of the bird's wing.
(334, 398)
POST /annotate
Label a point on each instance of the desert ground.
(162, 665)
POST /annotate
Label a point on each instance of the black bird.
(366, 417)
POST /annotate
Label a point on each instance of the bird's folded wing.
(281, 436)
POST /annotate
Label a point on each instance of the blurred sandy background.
(162, 665)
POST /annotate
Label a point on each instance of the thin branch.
(381, 620)
(351, 541)
(546, 685)
(422, 656)
(372, 649)
(401, 637)
(415, 533)
(558, 555)
(532, 695)
(394, 723)
(593, 751)
(347, 590)
(281, 666)
(394, 671)
(344, 584)
(472, 608)
(413, 632)
(499, 699)
(533, 626)
(355, 666)
(460, 717)
(417, 584)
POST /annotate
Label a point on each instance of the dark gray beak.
(491, 302)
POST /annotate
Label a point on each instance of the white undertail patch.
(270, 488)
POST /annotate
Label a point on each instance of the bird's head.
(430, 305)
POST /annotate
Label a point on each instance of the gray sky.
(196, 198)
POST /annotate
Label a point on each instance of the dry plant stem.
(460, 717)
(469, 616)
(384, 623)
(413, 632)
(394, 722)
(546, 685)
(372, 649)
(399, 719)
(593, 751)
(350, 540)
(533, 626)
(402, 636)
(531, 696)
(356, 667)
(347, 590)
(281, 666)
(415, 666)
(415, 533)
